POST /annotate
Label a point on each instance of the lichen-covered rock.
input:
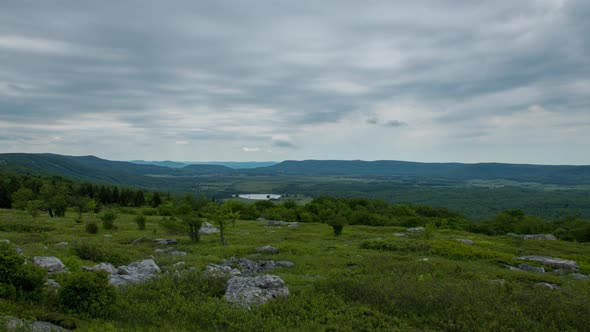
(166, 241)
(253, 291)
(548, 285)
(207, 228)
(267, 250)
(109, 268)
(530, 268)
(49, 263)
(465, 241)
(549, 237)
(556, 263)
(135, 272)
(9, 323)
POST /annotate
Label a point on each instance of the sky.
(454, 80)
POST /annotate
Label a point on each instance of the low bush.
(91, 227)
(108, 219)
(401, 245)
(88, 293)
(24, 226)
(140, 220)
(99, 253)
(17, 279)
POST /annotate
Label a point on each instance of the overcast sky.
(452, 80)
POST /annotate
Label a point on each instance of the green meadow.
(367, 279)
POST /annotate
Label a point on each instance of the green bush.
(18, 279)
(88, 293)
(140, 221)
(24, 226)
(401, 245)
(98, 253)
(91, 227)
(108, 219)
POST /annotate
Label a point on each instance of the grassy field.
(366, 279)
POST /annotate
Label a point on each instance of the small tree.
(24, 199)
(140, 221)
(190, 220)
(108, 219)
(222, 216)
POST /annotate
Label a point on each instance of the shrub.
(98, 253)
(108, 219)
(18, 279)
(140, 221)
(91, 227)
(88, 293)
(402, 245)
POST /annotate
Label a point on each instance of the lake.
(259, 196)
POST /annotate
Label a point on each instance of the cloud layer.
(273, 80)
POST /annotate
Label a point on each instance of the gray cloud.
(130, 79)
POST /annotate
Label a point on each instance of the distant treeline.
(55, 195)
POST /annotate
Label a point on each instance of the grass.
(366, 279)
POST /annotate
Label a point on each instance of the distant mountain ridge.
(92, 168)
(230, 164)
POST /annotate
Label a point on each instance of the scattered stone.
(136, 241)
(293, 225)
(399, 234)
(549, 237)
(178, 253)
(416, 229)
(252, 291)
(15, 324)
(556, 263)
(207, 228)
(5, 241)
(423, 259)
(511, 268)
(166, 241)
(178, 264)
(465, 241)
(135, 272)
(49, 263)
(261, 219)
(497, 281)
(514, 235)
(109, 268)
(279, 223)
(108, 235)
(51, 283)
(62, 244)
(18, 251)
(268, 250)
(548, 285)
(578, 276)
(163, 250)
(223, 268)
(530, 268)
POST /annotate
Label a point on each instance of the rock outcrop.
(135, 272)
(253, 291)
(556, 263)
(207, 228)
(267, 250)
(549, 237)
(50, 263)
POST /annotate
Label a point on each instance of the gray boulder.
(9, 323)
(178, 253)
(267, 250)
(578, 276)
(253, 291)
(109, 268)
(556, 263)
(549, 237)
(135, 272)
(166, 241)
(207, 228)
(465, 241)
(530, 268)
(416, 229)
(279, 223)
(548, 285)
(62, 244)
(50, 263)
(399, 234)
